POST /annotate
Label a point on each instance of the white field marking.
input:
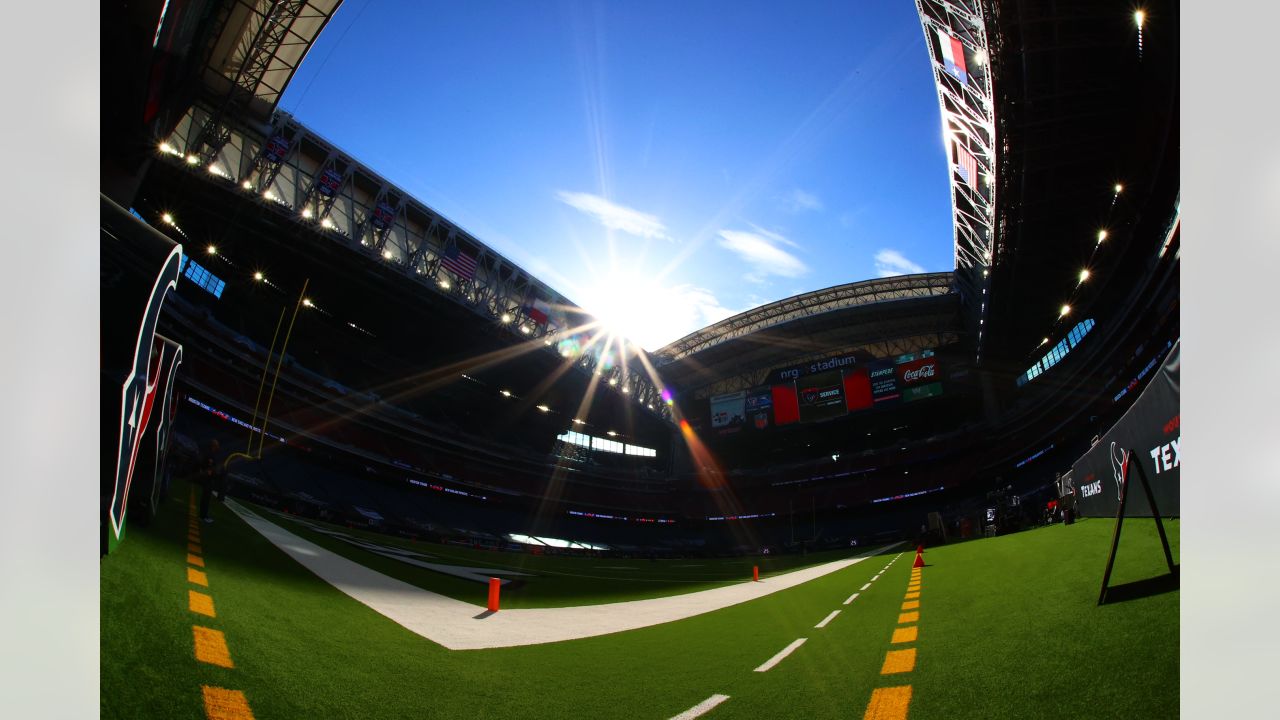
(614, 567)
(864, 587)
(782, 655)
(851, 598)
(827, 619)
(701, 707)
(457, 625)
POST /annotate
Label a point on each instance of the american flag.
(458, 262)
(967, 165)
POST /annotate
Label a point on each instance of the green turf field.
(1007, 628)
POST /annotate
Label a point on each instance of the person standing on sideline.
(213, 473)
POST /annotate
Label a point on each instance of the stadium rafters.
(260, 46)
(807, 305)
(956, 36)
(294, 173)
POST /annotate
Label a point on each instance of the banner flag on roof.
(539, 311)
(967, 165)
(953, 57)
(458, 262)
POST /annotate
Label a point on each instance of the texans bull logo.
(138, 392)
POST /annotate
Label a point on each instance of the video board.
(829, 389)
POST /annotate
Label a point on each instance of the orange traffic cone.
(919, 563)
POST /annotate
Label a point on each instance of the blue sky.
(662, 164)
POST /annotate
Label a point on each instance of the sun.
(630, 305)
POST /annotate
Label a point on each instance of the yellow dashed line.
(200, 603)
(197, 577)
(911, 595)
(211, 646)
(905, 634)
(899, 661)
(911, 605)
(195, 560)
(193, 548)
(913, 587)
(909, 617)
(223, 704)
(888, 703)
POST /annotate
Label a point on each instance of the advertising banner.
(786, 407)
(821, 396)
(728, 410)
(759, 408)
(857, 389)
(918, 372)
(1152, 430)
(884, 383)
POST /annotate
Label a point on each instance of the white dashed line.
(851, 597)
(701, 707)
(864, 587)
(768, 665)
(827, 619)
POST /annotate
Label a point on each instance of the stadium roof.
(260, 47)
(870, 318)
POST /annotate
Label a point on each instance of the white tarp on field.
(462, 626)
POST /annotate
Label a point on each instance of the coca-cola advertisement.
(918, 372)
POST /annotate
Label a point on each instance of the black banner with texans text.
(1152, 430)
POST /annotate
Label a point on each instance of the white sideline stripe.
(827, 619)
(851, 598)
(701, 707)
(782, 655)
(864, 587)
(459, 625)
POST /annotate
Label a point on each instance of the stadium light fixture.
(212, 249)
(612, 433)
(387, 254)
(1066, 310)
(525, 329)
(1119, 188)
(259, 276)
(1139, 17)
(1044, 341)
(306, 213)
(307, 302)
(613, 381)
(506, 318)
(166, 148)
(1084, 274)
(506, 393)
(246, 185)
(577, 421)
(167, 218)
(1102, 235)
(626, 391)
(193, 160)
(327, 224)
(544, 408)
(444, 284)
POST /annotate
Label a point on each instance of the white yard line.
(851, 598)
(701, 707)
(864, 587)
(462, 626)
(827, 619)
(782, 655)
